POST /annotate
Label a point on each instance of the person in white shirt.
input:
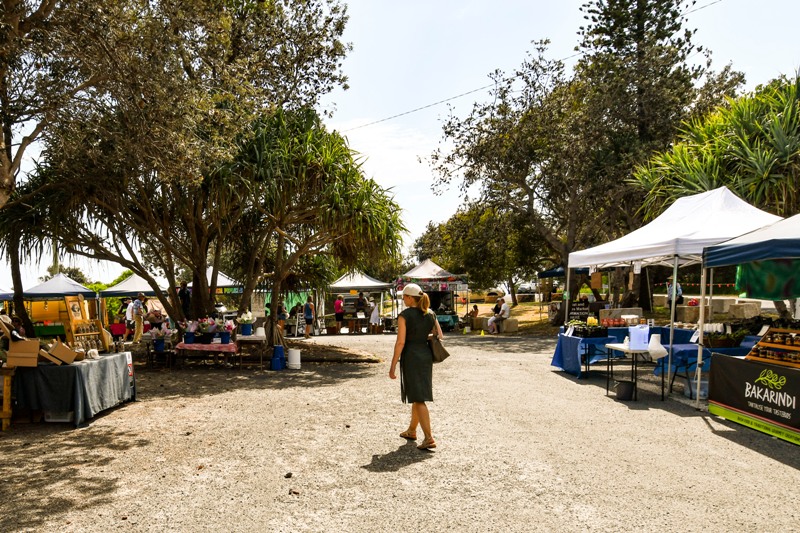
(496, 321)
(129, 323)
(374, 317)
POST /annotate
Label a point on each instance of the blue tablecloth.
(681, 335)
(684, 355)
(570, 349)
(684, 359)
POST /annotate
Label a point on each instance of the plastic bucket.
(261, 332)
(624, 390)
(247, 329)
(293, 361)
(278, 359)
(225, 337)
(188, 337)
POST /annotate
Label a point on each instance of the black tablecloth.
(84, 387)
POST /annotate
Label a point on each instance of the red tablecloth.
(213, 347)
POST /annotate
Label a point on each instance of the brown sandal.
(427, 444)
(408, 435)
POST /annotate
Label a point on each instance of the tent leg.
(673, 297)
(566, 298)
(699, 366)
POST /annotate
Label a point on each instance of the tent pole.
(566, 298)
(701, 327)
(710, 292)
(673, 298)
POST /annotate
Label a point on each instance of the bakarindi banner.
(761, 396)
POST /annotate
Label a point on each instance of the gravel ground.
(521, 448)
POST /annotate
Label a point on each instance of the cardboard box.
(63, 352)
(23, 353)
(47, 357)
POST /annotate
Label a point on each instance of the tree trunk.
(783, 311)
(513, 290)
(16, 278)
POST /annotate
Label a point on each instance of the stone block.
(510, 325)
(660, 300)
(722, 305)
(688, 313)
(617, 313)
(745, 310)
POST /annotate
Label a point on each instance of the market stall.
(78, 391)
(59, 307)
(442, 288)
(761, 390)
(677, 237)
(356, 282)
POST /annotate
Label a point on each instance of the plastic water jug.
(638, 337)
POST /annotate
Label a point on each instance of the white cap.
(412, 289)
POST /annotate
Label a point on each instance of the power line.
(404, 113)
(421, 108)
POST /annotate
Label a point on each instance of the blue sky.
(411, 54)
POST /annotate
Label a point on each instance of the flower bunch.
(160, 333)
(246, 318)
(206, 325)
(229, 326)
(189, 326)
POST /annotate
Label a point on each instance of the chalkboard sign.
(578, 311)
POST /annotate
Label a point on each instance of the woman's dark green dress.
(416, 360)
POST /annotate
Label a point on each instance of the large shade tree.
(135, 173)
(558, 149)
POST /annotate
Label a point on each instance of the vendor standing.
(678, 292)
(138, 311)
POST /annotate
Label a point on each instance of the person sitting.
(496, 322)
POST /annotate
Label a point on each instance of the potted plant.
(225, 332)
(158, 335)
(189, 328)
(206, 327)
(246, 321)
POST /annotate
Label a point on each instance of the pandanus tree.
(750, 145)
(309, 197)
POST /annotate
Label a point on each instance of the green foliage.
(751, 145)
(560, 150)
(75, 274)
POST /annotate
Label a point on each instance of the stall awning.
(358, 281)
(683, 230)
(130, 286)
(57, 287)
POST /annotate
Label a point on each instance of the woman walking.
(411, 350)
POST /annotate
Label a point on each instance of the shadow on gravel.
(768, 446)
(405, 455)
(55, 469)
(197, 381)
(502, 344)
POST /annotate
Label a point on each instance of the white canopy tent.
(358, 281)
(677, 236)
(132, 286)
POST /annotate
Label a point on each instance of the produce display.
(778, 346)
